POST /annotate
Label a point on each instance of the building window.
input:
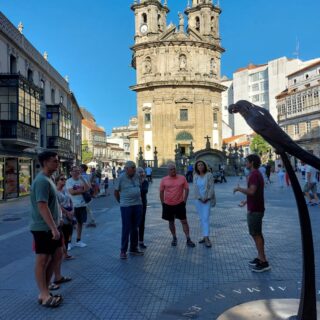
(147, 118)
(294, 105)
(254, 77)
(183, 114)
(289, 106)
(212, 24)
(296, 128)
(13, 64)
(215, 117)
(299, 101)
(8, 103)
(30, 75)
(144, 18)
(255, 87)
(61, 99)
(307, 76)
(295, 81)
(308, 126)
(198, 24)
(53, 98)
(255, 98)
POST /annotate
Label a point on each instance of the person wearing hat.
(205, 197)
(127, 193)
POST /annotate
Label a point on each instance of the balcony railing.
(18, 134)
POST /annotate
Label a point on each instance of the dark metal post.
(308, 301)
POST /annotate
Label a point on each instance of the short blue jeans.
(131, 217)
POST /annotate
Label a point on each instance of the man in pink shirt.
(174, 191)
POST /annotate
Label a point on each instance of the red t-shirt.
(173, 188)
(255, 203)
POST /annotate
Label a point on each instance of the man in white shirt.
(311, 185)
(77, 186)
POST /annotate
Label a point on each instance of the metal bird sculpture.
(261, 121)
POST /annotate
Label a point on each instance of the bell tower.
(150, 19)
(203, 17)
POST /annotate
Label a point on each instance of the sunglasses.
(62, 179)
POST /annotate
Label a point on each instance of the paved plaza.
(168, 282)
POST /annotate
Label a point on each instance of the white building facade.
(260, 84)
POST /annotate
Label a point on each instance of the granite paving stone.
(167, 282)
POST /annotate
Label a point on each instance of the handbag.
(87, 197)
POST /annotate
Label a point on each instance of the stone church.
(178, 78)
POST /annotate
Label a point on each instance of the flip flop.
(62, 280)
(53, 286)
(52, 295)
(52, 302)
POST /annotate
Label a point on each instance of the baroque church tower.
(178, 78)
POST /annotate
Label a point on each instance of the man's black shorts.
(44, 244)
(170, 213)
(81, 214)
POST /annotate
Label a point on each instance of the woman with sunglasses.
(67, 212)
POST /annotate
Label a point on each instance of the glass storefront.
(15, 177)
(25, 174)
(1, 178)
(11, 178)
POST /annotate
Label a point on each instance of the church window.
(198, 24)
(183, 114)
(215, 117)
(212, 24)
(144, 18)
(184, 135)
(159, 22)
(147, 117)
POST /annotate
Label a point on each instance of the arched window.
(198, 24)
(184, 135)
(212, 24)
(144, 18)
(159, 22)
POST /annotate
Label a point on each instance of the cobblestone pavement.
(167, 280)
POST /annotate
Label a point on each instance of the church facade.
(177, 78)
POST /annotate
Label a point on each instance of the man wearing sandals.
(174, 191)
(44, 227)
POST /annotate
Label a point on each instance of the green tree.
(87, 155)
(261, 147)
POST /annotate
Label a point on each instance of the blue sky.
(90, 42)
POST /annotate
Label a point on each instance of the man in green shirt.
(45, 214)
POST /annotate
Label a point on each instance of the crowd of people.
(61, 204)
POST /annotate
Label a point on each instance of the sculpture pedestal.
(275, 309)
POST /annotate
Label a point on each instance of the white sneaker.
(80, 244)
(69, 246)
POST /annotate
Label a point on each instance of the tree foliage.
(261, 147)
(87, 155)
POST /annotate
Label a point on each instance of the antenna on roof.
(297, 52)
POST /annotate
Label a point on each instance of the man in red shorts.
(174, 191)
